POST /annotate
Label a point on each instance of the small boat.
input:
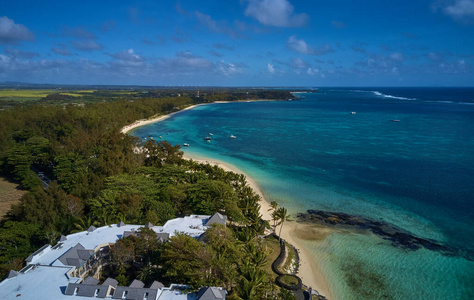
(161, 137)
(211, 134)
(208, 138)
(186, 144)
(232, 136)
(353, 112)
(395, 120)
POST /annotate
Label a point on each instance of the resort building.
(69, 270)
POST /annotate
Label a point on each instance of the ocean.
(404, 156)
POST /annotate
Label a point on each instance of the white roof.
(41, 282)
(167, 294)
(102, 236)
(47, 277)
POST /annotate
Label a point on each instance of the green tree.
(282, 216)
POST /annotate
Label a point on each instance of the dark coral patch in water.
(398, 237)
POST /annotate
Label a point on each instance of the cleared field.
(9, 93)
(9, 195)
(71, 94)
(34, 94)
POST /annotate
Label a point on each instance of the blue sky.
(239, 42)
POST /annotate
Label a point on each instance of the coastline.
(308, 270)
(143, 122)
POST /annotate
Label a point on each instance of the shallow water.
(314, 154)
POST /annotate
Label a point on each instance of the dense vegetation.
(96, 176)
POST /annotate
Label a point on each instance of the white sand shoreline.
(308, 271)
(143, 122)
(140, 123)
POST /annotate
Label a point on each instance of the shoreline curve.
(308, 270)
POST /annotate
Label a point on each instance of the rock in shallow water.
(399, 237)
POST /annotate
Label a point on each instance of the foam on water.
(391, 97)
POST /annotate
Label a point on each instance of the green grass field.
(23, 95)
(9, 93)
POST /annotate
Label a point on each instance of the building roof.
(38, 252)
(76, 256)
(130, 293)
(48, 271)
(39, 282)
(111, 282)
(163, 236)
(156, 285)
(90, 280)
(12, 274)
(211, 293)
(136, 284)
(217, 218)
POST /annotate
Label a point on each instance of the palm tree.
(253, 278)
(282, 216)
(274, 206)
(84, 223)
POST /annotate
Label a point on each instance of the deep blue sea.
(405, 156)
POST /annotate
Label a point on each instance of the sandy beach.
(144, 122)
(308, 270)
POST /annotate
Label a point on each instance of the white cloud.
(279, 13)
(323, 50)
(434, 56)
(217, 26)
(61, 49)
(11, 33)
(229, 68)
(185, 61)
(299, 63)
(299, 46)
(270, 68)
(126, 55)
(15, 53)
(461, 9)
(312, 71)
(397, 56)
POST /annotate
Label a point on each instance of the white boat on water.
(186, 144)
(211, 134)
(395, 120)
(353, 112)
(207, 138)
(232, 136)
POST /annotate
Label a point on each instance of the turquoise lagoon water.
(313, 153)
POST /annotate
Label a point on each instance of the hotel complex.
(71, 269)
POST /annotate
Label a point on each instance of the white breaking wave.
(392, 97)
